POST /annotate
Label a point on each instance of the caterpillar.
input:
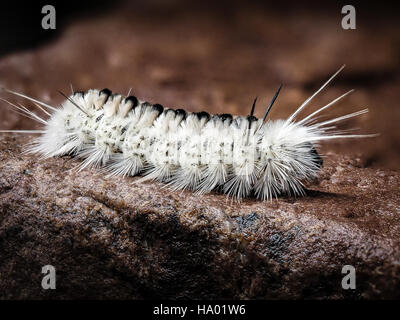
(240, 156)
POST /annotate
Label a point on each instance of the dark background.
(215, 56)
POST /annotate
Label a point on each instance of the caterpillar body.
(237, 155)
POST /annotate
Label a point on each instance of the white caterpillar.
(239, 156)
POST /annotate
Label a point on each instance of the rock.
(114, 238)
(217, 57)
(111, 237)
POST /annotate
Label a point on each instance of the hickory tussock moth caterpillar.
(236, 155)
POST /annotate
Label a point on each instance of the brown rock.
(218, 56)
(114, 238)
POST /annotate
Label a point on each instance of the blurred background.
(215, 56)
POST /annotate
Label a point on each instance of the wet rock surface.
(115, 238)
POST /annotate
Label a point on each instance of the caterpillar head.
(61, 135)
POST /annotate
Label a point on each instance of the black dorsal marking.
(134, 101)
(251, 119)
(159, 108)
(181, 112)
(225, 116)
(107, 92)
(202, 115)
